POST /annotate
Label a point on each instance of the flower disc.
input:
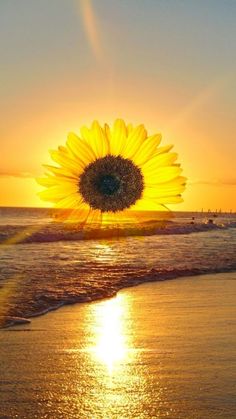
(111, 184)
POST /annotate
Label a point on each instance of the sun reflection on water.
(111, 347)
(121, 383)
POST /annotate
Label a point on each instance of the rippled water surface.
(155, 351)
(40, 276)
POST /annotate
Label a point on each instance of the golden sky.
(171, 68)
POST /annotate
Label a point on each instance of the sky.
(168, 64)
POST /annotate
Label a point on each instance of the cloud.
(16, 174)
(215, 182)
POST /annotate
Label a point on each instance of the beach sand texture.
(164, 349)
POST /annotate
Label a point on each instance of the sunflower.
(109, 173)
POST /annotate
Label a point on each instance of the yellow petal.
(178, 181)
(97, 139)
(78, 216)
(63, 150)
(71, 202)
(107, 132)
(94, 219)
(165, 174)
(59, 171)
(147, 150)
(66, 162)
(56, 180)
(160, 160)
(134, 141)
(130, 128)
(72, 209)
(162, 190)
(67, 152)
(47, 181)
(56, 193)
(80, 149)
(147, 204)
(164, 149)
(85, 134)
(118, 137)
(117, 219)
(170, 200)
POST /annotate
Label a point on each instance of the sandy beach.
(164, 349)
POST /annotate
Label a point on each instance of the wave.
(54, 232)
(47, 303)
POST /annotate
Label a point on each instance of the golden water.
(155, 351)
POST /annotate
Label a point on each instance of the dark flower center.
(111, 184)
(108, 184)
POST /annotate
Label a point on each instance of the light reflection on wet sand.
(112, 346)
(154, 351)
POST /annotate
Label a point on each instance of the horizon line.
(217, 210)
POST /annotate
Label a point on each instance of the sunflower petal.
(170, 200)
(71, 202)
(162, 190)
(156, 204)
(118, 137)
(77, 215)
(147, 150)
(164, 149)
(165, 174)
(47, 181)
(59, 171)
(94, 218)
(130, 128)
(134, 141)
(143, 204)
(166, 159)
(66, 162)
(100, 140)
(80, 149)
(56, 193)
(178, 181)
(97, 139)
(107, 132)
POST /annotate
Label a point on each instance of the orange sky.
(150, 65)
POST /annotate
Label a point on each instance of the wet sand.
(164, 349)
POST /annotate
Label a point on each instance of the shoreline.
(164, 349)
(17, 320)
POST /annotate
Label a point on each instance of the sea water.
(44, 265)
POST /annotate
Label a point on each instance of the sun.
(111, 171)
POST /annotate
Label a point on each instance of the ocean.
(44, 265)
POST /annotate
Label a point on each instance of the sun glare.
(91, 28)
(111, 346)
